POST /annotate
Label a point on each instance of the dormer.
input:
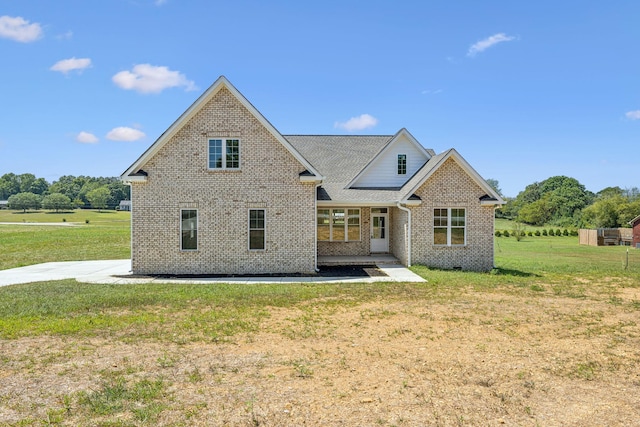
(394, 164)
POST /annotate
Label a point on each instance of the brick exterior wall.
(399, 235)
(178, 177)
(451, 187)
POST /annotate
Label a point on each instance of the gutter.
(315, 227)
(408, 211)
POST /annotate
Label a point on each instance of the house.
(4, 204)
(221, 191)
(124, 205)
(635, 224)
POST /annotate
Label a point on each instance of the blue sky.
(523, 90)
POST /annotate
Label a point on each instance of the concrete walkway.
(116, 271)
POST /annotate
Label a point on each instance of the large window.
(224, 154)
(256, 229)
(189, 229)
(338, 225)
(402, 164)
(449, 226)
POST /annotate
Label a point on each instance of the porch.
(374, 259)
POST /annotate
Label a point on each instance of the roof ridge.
(319, 134)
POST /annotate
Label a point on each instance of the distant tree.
(9, 185)
(99, 197)
(24, 201)
(56, 201)
(493, 183)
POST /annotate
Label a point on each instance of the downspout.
(315, 227)
(408, 211)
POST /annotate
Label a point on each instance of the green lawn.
(105, 236)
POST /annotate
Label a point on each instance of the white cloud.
(159, 2)
(19, 29)
(432, 91)
(65, 36)
(66, 65)
(86, 138)
(125, 134)
(361, 122)
(485, 44)
(146, 78)
(633, 115)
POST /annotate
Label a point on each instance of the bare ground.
(479, 359)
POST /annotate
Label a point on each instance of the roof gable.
(381, 170)
(133, 173)
(435, 163)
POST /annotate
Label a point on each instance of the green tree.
(24, 201)
(9, 185)
(493, 183)
(99, 197)
(56, 201)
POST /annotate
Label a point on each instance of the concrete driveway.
(119, 271)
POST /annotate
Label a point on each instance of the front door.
(379, 232)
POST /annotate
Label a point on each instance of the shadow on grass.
(510, 272)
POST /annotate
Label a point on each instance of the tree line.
(26, 191)
(562, 201)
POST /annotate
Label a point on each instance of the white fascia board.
(358, 204)
(195, 108)
(311, 179)
(138, 178)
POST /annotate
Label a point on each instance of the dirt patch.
(479, 359)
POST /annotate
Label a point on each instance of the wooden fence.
(605, 236)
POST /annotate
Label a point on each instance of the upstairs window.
(402, 164)
(449, 226)
(224, 154)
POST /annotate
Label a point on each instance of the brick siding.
(178, 177)
(451, 187)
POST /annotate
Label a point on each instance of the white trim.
(394, 139)
(194, 109)
(196, 229)
(346, 223)
(264, 229)
(449, 227)
(223, 147)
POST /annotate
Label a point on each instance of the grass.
(549, 275)
(105, 236)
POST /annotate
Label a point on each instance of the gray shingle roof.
(339, 158)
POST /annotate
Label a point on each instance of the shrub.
(551, 233)
(506, 233)
(537, 233)
(86, 221)
(498, 233)
(529, 233)
(565, 232)
(558, 232)
(573, 232)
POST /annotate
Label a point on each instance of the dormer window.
(402, 164)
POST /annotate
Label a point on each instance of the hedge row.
(544, 232)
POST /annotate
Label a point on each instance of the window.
(338, 225)
(189, 229)
(256, 229)
(402, 164)
(449, 226)
(224, 154)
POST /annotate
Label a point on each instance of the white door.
(379, 233)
